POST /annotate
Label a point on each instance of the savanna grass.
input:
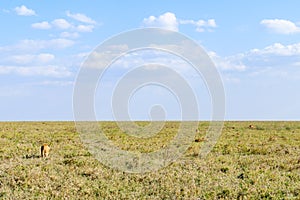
(257, 163)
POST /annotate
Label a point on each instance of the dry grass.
(257, 163)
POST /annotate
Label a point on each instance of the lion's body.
(45, 150)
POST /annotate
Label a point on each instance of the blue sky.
(255, 45)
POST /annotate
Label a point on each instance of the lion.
(45, 150)
(251, 126)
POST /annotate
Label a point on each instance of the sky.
(255, 46)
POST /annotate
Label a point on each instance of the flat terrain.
(262, 162)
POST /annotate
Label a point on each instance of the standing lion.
(45, 150)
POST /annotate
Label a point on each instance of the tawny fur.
(251, 126)
(45, 149)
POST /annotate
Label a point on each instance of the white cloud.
(56, 83)
(69, 35)
(61, 24)
(85, 28)
(279, 49)
(22, 59)
(211, 23)
(201, 25)
(30, 58)
(44, 57)
(50, 70)
(231, 79)
(41, 25)
(81, 17)
(44, 44)
(231, 63)
(167, 20)
(64, 25)
(24, 11)
(256, 61)
(276, 61)
(34, 46)
(82, 55)
(281, 26)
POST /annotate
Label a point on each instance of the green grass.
(258, 163)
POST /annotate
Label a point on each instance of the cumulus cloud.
(70, 30)
(279, 49)
(65, 25)
(26, 49)
(276, 55)
(44, 57)
(280, 26)
(36, 45)
(61, 24)
(56, 83)
(80, 17)
(22, 59)
(29, 58)
(85, 28)
(201, 25)
(44, 44)
(167, 20)
(211, 23)
(24, 11)
(277, 61)
(49, 70)
(230, 63)
(41, 25)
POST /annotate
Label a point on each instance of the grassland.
(258, 163)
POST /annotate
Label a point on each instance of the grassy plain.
(258, 163)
